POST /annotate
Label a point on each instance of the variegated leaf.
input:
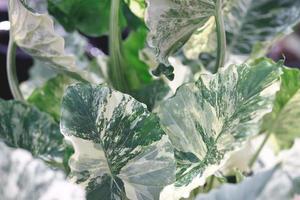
(281, 182)
(203, 40)
(251, 27)
(35, 34)
(172, 22)
(24, 178)
(207, 119)
(120, 150)
(284, 119)
(24, 126)
(250, 21)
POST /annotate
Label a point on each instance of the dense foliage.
(183, 106)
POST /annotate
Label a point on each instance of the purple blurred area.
(288, 48)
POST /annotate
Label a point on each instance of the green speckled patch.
(120, 149)
(211, 117)
(172, 22)
(24, 126)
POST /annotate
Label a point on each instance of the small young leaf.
(23, 178)
(34, 33)
(120, 150)
(207, 119)
(284, 119)
(23, 126)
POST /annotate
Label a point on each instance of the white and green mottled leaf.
(250, 21)
(203, 40)
(213, 116)
(172, 22)
(24, 178)
(251, 27)
(284, 119)
(35, 34)
(120, 149)
(24, 126)
(281, 182)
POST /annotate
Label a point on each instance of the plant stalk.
(12, 71)
(255, 156)
(221, 37)
(117, 64)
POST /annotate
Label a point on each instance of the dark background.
(289, 47)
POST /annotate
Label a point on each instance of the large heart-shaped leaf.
(23, 178)
(215, 115)
(35, 34)
(120, 150)
(24, 126)
(281, 182)
(172, 22)
(284, 119)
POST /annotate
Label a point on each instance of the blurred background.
(288, 48)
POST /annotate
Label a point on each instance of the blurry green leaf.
(39, 74)
(24, 126)
(88, 16)
(24, 177)
(120, 149)
(284, 119)
(137, 72)
(48, 98)
(212, 117)
(34, 33)
(281, 182)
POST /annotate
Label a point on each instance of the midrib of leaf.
(241, 24)
(95, 132)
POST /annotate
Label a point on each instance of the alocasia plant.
(120, 149)
(129, 138)
(217, 113)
